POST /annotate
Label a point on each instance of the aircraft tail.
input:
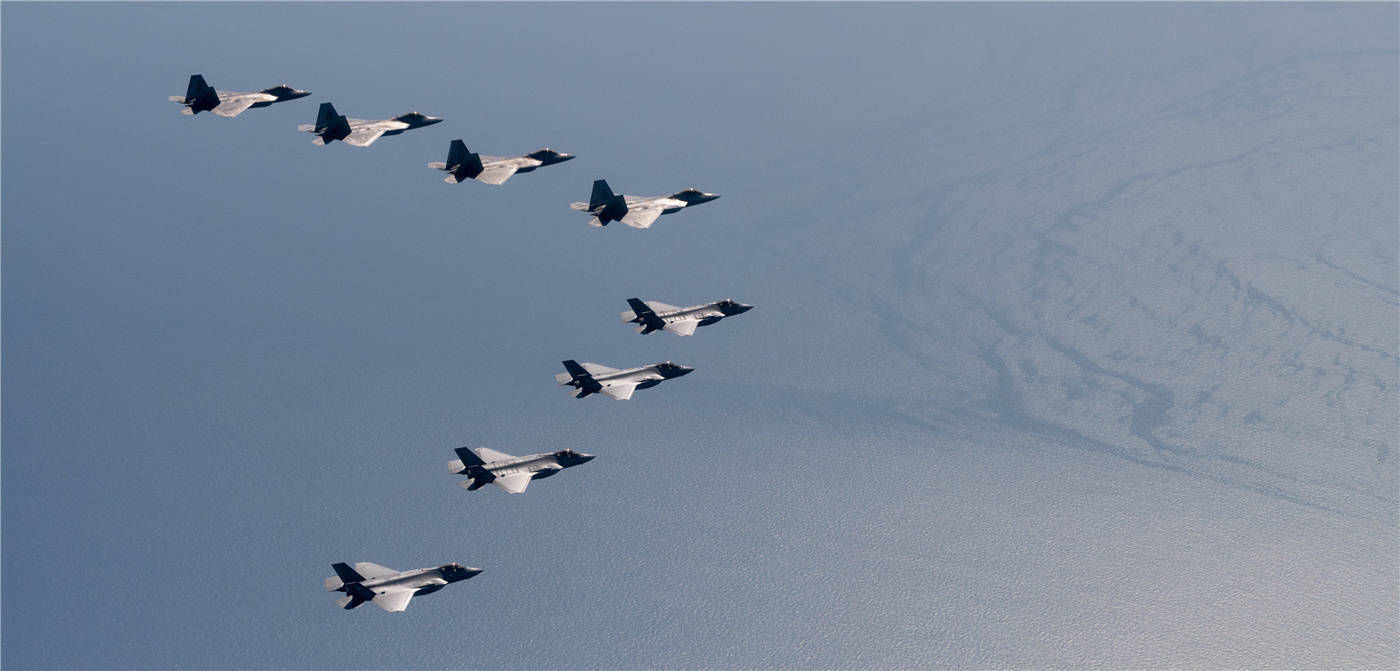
(579, 378)
(325, 117)
(196, 88)
(576, 371)
(457, 153)
(350, 602)
(199, 96)
(641, 311)
(467, 459)
(602, 194)
(344, 575)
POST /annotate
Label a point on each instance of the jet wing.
(371, 570)
(620, 390)
(364, 137)
(514, 484)
(642, 216)
(683, 328)
(597, 368)
(233, 106)
(489, 455)
(582, 207)
(658, 306)
(394, 602)
(496, 174)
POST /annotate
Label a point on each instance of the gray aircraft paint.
(232, 103)
(1029, 266)
(592, 378)
(510, 473)
(363, 132)
(390, 589)
(659, 316)
(639, 211)
(462, 164)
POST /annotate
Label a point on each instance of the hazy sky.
(1076, 338)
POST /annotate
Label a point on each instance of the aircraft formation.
(390, 589)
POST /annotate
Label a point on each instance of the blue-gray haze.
(1075, 341)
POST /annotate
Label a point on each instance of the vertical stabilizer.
(325, 117)
(602, 194)
(457, 154)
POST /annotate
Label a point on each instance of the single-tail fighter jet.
(390, 589)
(512, 474)
(592, 378)
(658, 316)
(201, 97)
(636, 211)
(462, 164)
(331, 126)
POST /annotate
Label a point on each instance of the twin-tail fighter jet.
(513, 474)
(390, 589)
(636, 211)
(462, 165)
(658, 316)
(201, 97)
(592, 378)
(331, 126)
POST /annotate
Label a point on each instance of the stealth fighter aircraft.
(331, 126)
(390, 589)
(658, 316)
(462, 164)
(201, 97)
(636, 211)
(512, 474)
(592, 378)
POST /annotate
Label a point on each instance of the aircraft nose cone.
(683, 370)
(743, 308)
(582, 458)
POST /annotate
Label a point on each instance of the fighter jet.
(390, 589)
(330, 127)
(512, 474)
(658, 316)
(201, 97)
(636, 211)
(463, 165)
(591, 378)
